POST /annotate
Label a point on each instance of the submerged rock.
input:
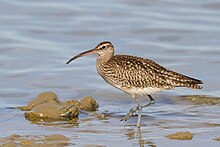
(180, 136)
(46, 106)
(53, 111)
(216, 138)
(200, 99)
(32, 140)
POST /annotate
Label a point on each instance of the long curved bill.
(89, 52)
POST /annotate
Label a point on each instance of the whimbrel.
(135, 75)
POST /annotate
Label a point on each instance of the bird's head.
(103, 49)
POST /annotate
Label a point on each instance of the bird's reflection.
(136, 133)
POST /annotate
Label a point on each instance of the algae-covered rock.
(53, 111)
(180, 136)
(45, 97)
(32, 140)
(47, 107)
(216, 138)
(200, 99)
(89, 104)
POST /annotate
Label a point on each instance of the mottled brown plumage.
(135, 75)
(130, 71)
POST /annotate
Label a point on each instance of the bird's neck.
(102, 59)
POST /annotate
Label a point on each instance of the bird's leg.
(152, 101)
(139, 109)
(139, 114)
(132, 110)
(129, 114)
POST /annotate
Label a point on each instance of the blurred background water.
(38, 37)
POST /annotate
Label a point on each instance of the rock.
(32, 140)
(45, 97)
(180, 136)
(199, 99)
(47, 107)
(216, 138)
(89, 104)
(53, 111)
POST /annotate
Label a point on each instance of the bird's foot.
(129, 114)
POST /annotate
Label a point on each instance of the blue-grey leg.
(152, 101)
(139, 114)
(139, 109)
(129, 114)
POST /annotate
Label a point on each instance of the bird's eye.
(104, 47)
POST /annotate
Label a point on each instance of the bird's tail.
(194, 85)
(189, 82)
(180, 80)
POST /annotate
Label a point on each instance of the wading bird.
(135, 75)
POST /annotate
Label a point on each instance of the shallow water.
(38, 37)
